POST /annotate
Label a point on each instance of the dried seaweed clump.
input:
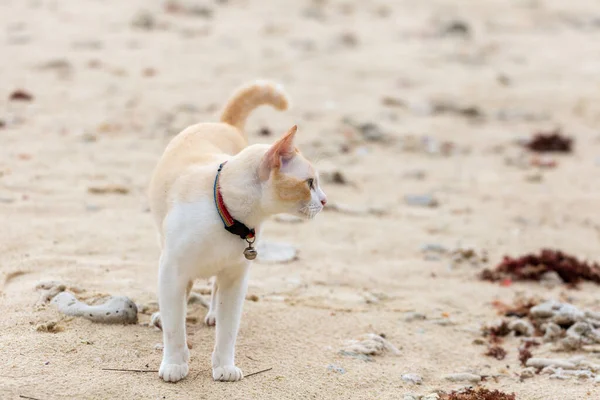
(496, 332)
(478, 394)
(532, 267)
(550, 142)
(497, 352)
(520, 308)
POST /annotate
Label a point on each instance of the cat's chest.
(197, 237)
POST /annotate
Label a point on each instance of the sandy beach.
(413, 112)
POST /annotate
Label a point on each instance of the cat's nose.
(324, 201)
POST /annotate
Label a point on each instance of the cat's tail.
(251, 96)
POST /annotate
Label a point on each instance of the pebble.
(544, 310)
(568, 314)
(597, 379)
(463, 377)
(336, 177)
(549, 362)
(143, 20)
(412, 378)
(372, 132)
(417, 174)
(456, 28)
(443, 322)
(527, 373)
(551, 332)
(414, 316)
(335, 368)
(362, 357)
(421, 200)
(434, 248)
(522, 327)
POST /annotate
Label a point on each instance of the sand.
(111, 86)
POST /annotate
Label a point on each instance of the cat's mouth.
(310, 211)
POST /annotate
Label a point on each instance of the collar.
(232, 225)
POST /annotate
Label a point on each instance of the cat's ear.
(280, 152)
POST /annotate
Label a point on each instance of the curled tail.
(251, 96)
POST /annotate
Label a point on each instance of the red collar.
(232, 225)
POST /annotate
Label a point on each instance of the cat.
(209, 194)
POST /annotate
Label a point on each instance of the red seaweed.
(531, 267)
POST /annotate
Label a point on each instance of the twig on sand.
(258, 372)
(129, 370)
(27, 397)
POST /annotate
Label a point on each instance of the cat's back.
(180, 165)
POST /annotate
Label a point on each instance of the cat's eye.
(310, 182)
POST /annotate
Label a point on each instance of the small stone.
(434, 248)
(143, 20)
(522, 327)
(534, 178)
(417, 174)
(252, 297)
(551, 332)
(335, 368)
(431, 396)
(443, 322)
(50, 326)
(597, 379)
(527, 373)
(372, 132)
(548, 362)
(463, 377)
(109, 189)
(479, 342)
(362, 357)
(424, 200)
(336, 177)
(568, 314)
(21, 95)
(412, 378)
(456, 28)
(545, 310)
(414, 316)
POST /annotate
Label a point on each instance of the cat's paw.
(227, 374)
(173, 372)
(155, 320)
(210, 319)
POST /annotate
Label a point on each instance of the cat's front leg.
(172, 304)
(232, 285)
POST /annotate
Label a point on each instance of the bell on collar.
(250, 253)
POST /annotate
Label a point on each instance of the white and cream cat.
(208, 181)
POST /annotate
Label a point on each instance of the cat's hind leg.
(155, 319)
(211, 315)
(232, 285)
(172, 304)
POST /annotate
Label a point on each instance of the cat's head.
(290, 182)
